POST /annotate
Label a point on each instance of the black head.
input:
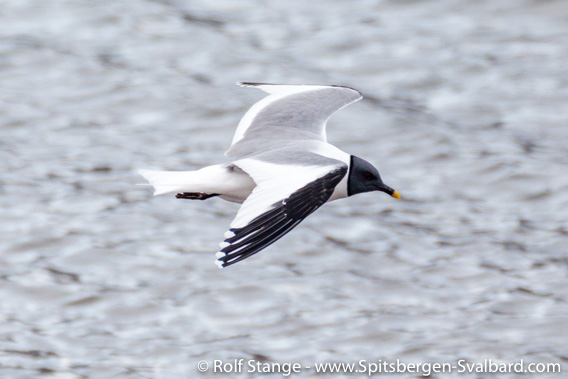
(364, 177)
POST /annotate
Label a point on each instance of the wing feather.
(290, 112)
(272, 225)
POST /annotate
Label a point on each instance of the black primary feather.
(275, 223)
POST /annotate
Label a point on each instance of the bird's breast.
(340, 190)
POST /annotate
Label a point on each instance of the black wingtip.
(351, 88)
(255, 84)
(264, 230)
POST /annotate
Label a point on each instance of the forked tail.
(169, 181)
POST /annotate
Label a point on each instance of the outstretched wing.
(285, 195)
(290, 112)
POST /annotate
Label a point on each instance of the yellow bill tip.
(396, 195)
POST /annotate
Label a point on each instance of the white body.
(230, 182)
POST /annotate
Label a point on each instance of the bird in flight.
(281, 167)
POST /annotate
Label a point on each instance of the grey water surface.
(465, 114)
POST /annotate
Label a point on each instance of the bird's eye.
(368, 176)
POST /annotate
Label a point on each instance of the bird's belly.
(235, 198)
(234, 184)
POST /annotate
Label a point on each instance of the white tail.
(229, 182)
(170, 181)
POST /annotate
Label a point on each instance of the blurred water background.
(465, 113)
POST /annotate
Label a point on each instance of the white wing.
(290, 112)
(285, 194)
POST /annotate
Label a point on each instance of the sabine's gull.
(282, 169)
